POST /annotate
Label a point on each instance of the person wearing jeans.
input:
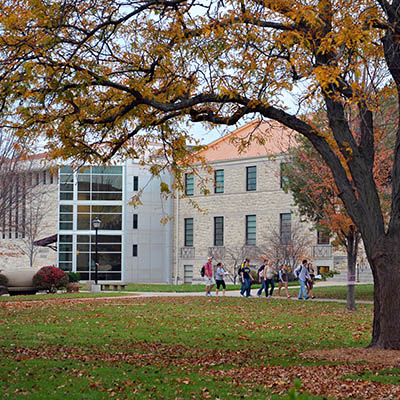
(261, 278)
(302, 273)
(246, 280)
(269, 279)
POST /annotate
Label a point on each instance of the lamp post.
(96, 222)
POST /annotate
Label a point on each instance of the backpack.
(296, 274)
(203, 271)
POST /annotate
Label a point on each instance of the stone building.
(29, 198)
(246, 206)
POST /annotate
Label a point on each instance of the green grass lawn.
(362, 292)
(176, 348)
(57, 296)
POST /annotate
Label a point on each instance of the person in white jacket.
(301, 272)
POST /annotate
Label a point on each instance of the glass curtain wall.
(86, 194)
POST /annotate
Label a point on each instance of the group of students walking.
(266, 276)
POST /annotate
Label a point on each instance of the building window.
(109, 256)
(51, 178)
(100, 183)
(135, 221)
(65, 253)
(135, 183)
(218, 231)
(187, 274)
(251, 178)
(66, 217)
(283, 179)
(285, 227)
(322, 237)
(134, 250)
(189, 232)
(66, 179)
(37, 178)
(250, 230)
(44, 177)
(189, 184)
(219, 181)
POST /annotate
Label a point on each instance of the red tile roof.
(257, 138)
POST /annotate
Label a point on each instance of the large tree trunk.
(385, 259)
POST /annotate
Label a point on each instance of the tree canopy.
(91, 75)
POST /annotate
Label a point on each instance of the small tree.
(36, 221)
(15, 170)
(288, 248)
(234, 257)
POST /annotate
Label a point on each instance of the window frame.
(189, 184)
(322, 237)
(188, 232)
(251, 178)
(218, 231)
(218, 186)
(285, 234)
(250, 240)
(135, 182)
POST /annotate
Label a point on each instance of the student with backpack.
(208, 276)
(269, 279)
(301, 272)
(284, 279)
(246, 279)
(239, 272)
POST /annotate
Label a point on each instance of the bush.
(3, 280)
(74, 276)
(329, 274)
(50, 278)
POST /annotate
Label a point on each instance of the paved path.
(236, 293)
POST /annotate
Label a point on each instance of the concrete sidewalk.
(236, 293)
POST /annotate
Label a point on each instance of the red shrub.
(50, 277)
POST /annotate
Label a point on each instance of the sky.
(207, 135)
